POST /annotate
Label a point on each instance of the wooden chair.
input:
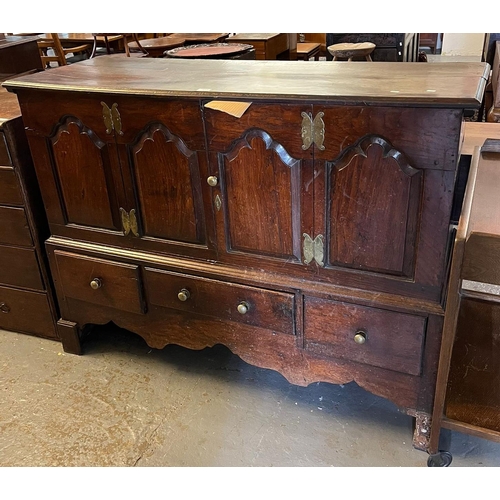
(59, 52)
(125, 43)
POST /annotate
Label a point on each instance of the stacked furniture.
(468, 395)
(297, 213)
(27, 303)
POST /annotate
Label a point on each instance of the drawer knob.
(243, 307)
(212, 181)
(96, 283)
(360, 337)
(183, 295)
(4, 307)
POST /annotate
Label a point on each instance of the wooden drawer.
(10, 191)
(4, 151)
(14, 229)
(19, 267)
(26, 312)
(102, 282)
(392, 340)
(265, 308)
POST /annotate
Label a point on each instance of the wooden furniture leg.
(69, 333)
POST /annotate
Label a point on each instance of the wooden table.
(192, 38)
(75, 39)
(267, 45)
(18, 54)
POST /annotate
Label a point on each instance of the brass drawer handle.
(4, 308)
(360, 337)
(243, 307)
(96, 283)
(183, 295)
(212, 181)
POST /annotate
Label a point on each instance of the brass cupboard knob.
(96, 283)
(212, 181)
(360, 337)
(183, 295)
(243, 307)
(4, 307)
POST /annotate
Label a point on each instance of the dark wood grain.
(120, 283)
(19, 267)
(473, 394)
(25, 312)
(347, 163)
(219, 299)
(14, 229)
(10, 191)
(393, 340)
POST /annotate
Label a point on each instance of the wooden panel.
(26, 312)
(14, 229)
(266, 309)
(168, 186)
(261, 197)
(10, 190)
(373, 214)
(393, 340)
(473, 394)
(83, 171)
(4, 151)
(120, 284)
(19, 267)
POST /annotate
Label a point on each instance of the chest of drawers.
(26, 299)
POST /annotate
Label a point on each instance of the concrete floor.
(123, 404)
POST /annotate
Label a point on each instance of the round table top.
(209, 50)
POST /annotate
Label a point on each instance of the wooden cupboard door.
(372, 208)
(260, 199)
(167, 179)
(259, 169)
(74, 151)
(164, 167)
(382, 197)
(83, 168)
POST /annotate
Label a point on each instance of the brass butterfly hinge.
(313, 249)
(112, 118)
(129, 222)
(313, 131)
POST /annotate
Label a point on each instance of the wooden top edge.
(433, 84)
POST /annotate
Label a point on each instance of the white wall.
(462, 44)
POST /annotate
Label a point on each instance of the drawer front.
(10, 191)
(26, 312)
(102, 282)
(19, 267)
(14, 229)
(4, 151)
(227, 301)
(364, 334)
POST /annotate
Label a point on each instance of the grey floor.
(123, 404)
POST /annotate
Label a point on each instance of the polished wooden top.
(437, 84)
(10, 41)
(9, 107)
(475, 133)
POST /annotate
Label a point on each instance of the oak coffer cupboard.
(297, 213)
(27, 301)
